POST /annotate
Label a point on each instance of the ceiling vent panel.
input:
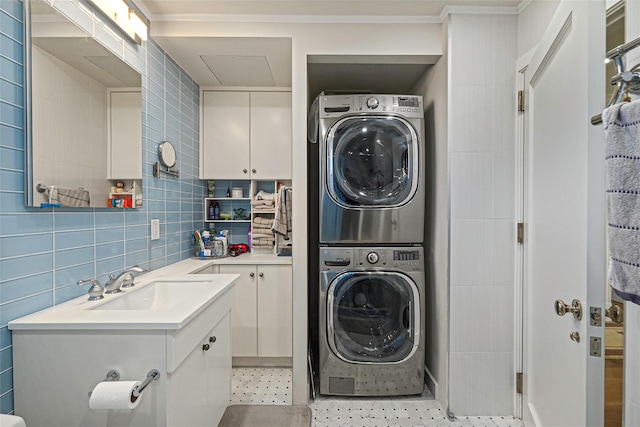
(235, 70)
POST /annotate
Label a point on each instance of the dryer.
(371, 321)
(371, 178)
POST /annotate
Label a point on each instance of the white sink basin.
(158, 302)
(154, 296)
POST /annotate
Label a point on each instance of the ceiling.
(266, 62)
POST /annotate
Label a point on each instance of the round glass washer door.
(373, 317)
(372, 161)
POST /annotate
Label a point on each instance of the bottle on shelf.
(228, 192)
(249, 238)
(212, 210)
(216, 211)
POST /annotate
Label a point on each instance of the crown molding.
(297, 19)
(523, 5)
(476, 10)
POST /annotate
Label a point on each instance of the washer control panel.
(406, 258)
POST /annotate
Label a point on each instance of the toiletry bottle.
(249, 238)
(216, 211)
(212, 214)
(228, 192)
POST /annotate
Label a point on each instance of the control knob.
(373, 103)
(372, 257)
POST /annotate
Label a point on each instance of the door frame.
(521, 139)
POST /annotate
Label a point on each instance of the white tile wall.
(482, 168)
(486, 381)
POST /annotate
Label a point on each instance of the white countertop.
(80, 313)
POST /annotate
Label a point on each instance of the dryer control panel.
(409, 106)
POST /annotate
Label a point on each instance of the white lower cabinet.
(199, 387)
(55, 370)
(261, 317)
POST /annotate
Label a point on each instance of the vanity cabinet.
(261, 317)
(194, 361)
(246, 135)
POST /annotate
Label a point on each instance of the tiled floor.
(260, 386)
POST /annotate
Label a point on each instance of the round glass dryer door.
(373, 317)
(372, 162)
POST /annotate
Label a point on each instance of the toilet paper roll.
(114, 395)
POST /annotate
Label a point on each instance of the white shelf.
(227, 220)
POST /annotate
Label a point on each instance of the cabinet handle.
(212, 339)
(205, 347)
(253, 170)
(244, 170)
(252, 274)
(261, 274)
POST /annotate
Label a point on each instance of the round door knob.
(252, 274)
(562, 308)
(373, 103)
(244, 170)
(253, 170)
(372, 257)
(205, 347)
(212, 339)
(261, 274)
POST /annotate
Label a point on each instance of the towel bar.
(626, 80)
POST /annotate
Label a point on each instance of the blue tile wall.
(44, 252)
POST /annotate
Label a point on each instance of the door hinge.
(520, 232)
(519, 382)
(520, 101)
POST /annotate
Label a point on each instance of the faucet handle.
(95, 291)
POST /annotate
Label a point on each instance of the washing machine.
(371, 321)
(372, 183)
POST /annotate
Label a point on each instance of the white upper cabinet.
(271, 135)
(246, 135)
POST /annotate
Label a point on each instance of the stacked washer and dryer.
(371, 231)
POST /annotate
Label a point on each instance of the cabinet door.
(219, 369)
(275, 307)
(244, 317)
(225, 135)
(271, 135)
(125, 135)
(187, 392)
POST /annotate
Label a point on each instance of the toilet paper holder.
(153, 375)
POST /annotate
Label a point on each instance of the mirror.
(85, 144)
(167, 156)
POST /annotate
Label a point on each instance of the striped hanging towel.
(622, 144)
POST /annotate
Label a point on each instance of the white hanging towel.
(282, 221)
(622, 147)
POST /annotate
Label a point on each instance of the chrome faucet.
(95, 291)
(124, 279)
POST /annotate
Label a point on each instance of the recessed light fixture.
(134, 26)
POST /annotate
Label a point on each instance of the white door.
(565, 219)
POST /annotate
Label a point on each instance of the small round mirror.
(167, 154)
